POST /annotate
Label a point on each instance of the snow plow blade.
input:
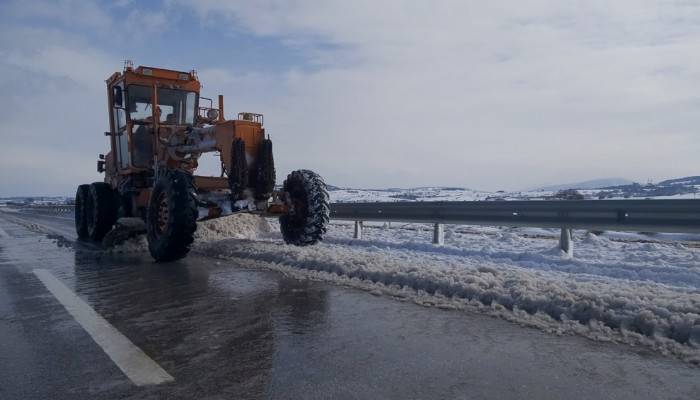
(123, 230)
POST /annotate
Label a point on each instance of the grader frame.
(158, 131)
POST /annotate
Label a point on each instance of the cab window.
(177, 107)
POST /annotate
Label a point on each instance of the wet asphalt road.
(227, 330)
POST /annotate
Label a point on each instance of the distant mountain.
(592, 184)
(678, 187)
(688, 180)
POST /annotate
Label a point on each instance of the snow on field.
(439, 194)
(641, 293)
(339, 195)
(418, 194)
(427, 194)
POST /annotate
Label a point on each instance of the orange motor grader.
(159, 128)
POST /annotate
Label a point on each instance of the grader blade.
(123, 230)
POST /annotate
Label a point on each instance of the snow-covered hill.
(591, 184)
(687, 187)
(680, 188)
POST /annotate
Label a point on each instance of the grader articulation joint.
(159, 128)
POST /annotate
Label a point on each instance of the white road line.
(3, 234)
(135, 364)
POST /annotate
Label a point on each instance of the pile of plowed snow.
(236, 226)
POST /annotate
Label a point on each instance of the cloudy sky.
(487, 95)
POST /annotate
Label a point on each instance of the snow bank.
(638, 293)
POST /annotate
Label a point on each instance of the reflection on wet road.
(229, 331)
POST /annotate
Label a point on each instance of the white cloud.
(71, 13)
(488, 95)
(52, 124)
(141, 22)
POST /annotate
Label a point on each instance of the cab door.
(120, 133)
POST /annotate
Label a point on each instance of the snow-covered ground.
(617, 288)
(459, 194)
(426, 194)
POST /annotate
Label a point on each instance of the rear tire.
(171, 217)
(238, 176)
(102, 212)
(265, 171)
(82, 208)
(309, 210)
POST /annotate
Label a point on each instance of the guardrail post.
(439, 234)
(566, 243)
(358, 230)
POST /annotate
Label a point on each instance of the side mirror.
(117, 98)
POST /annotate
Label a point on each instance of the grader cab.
(159, 128)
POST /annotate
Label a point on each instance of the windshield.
(177, 107)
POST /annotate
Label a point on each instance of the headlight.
(213, 113)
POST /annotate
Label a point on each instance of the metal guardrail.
(673, 216)
(621, 215)
(50, 209)
(616, 215)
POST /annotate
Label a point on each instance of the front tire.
(308, 209)
(82, 208)
(172, 217)
(102, 213)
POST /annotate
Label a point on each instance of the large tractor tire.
(172, 217)
(102, 212)
(265, 171)
(238, 175)
(309, 211)
(82, 208)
